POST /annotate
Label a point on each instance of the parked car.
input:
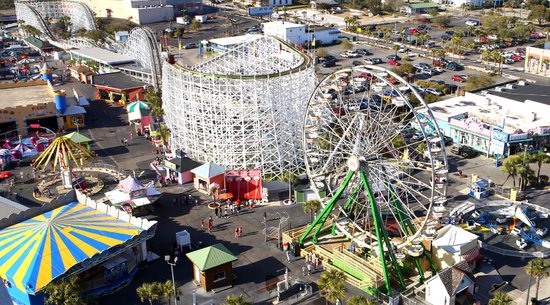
(450, 32)
(492, 37)
(356, 63)
(394, 63)
(472, 22)
(509, 61)
(328, 63)
(459, 77)
(434, 91)
(454, 66)
(463, 151)
(423, 27)
(517, 57)
(363, 52)
(447, 140)
(403, 49)
(427, 71)
(373, 61)
(445, 37)
(191, 45)
(393, 57)
(452, 87)
(422, 65)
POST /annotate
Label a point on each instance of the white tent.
(452, 238)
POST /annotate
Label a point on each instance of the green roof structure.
(211, 257)
(423, 5)
(39, 44)
(77, 137)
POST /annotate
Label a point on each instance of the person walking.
(202, 223)
(308, 265)
(236, 232)
(210, 220)
(288, 255)
(209, 227)
(216, 212)
(131, 136)
(240, 231)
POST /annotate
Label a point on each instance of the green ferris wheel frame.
(357, 167)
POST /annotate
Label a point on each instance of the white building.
(224, 44)
(452, 285)
(454, 245)
(122, 36)
(471, 3)
(300, 34)
(138, 11)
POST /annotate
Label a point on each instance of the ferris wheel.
(377, 160)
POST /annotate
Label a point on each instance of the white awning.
(134, 115)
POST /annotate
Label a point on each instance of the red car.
(394, 63)
(414, 30)
(366, 75)
(459, 78)
(517, 57)
(392, 81)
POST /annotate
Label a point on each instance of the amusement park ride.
(383, 186)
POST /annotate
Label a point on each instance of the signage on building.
(517, 137)
(497, 147)
(170, 165)
(500, 135)
(544, 130)
(260, 11)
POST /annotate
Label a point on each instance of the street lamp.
(169, 261)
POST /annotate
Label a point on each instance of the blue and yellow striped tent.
(38, 250)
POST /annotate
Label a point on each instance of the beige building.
(537, 61)
(138, 11)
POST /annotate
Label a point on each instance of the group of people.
(227, 210)
(238, 232)
(312, 262)
(210, 224)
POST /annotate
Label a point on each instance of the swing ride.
(383, 177)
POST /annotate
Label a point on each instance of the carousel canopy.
(136, 106)
(63, 148)
(77, 137)
(131, 184)
(38, 250)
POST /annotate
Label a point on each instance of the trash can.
(354, 38)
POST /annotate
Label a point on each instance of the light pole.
(168, 260)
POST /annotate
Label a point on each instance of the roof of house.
(208, 170)
(103, 56)
(451, 238)
(283, 24)
(423, 5)
(40, 44)
(533, 92)
(452, 277)
(80, 68)
(116, 80)
(210, 257)
(184, 164)
(9, 207)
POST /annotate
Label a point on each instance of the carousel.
(132, 196)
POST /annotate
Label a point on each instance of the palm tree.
(537, 268)
(500, 298)
(149, 291)
(234, 299)
(360, 300)
(168, 290)
(164, 134)
(509, 166)
(540, 157)
(31, 30)
(395, 48)
(331, 284)
(312, 206)
(63, 292)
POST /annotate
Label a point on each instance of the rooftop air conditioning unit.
(510, 86)
(484, 92)
(499, 89)
(522, 83)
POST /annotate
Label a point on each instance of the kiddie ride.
(517, 219)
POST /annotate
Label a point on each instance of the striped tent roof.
(38, 250)
(141, 105)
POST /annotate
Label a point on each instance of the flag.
(313, 41)
(200, 48)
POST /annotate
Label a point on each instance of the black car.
(380, 34)
(450, 33)
(452, 87)
(393, 57)
(447, 140)
(463, 151)
(330, 58)
(363, 52)
(454, 66)
(445, 37)
(328, 63)
(422, 27)
(356, 63)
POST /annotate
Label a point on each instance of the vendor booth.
(481, 188)
(178, 169)
(244, 184)
(207, 176)
(212, 266)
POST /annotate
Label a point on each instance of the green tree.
(433, 12)
(360, 300)
(537, 268)
(539, 12)
(93, 66)
(154, 101)
(442, 21)
(395, 48)
(167, 289)
(540, 158)
(524, 170)
(64, 292)
(500, 298)
(164, 134)
(179, 32)
(195, 25)
(347, 45)
(321, 53)
(149, 291)
(509, 166)
(332, 286)
(65, 23)
(289, 177)
(312, 206)
(96, 35)
(234, 299)
(31, 30)
(475, 82)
